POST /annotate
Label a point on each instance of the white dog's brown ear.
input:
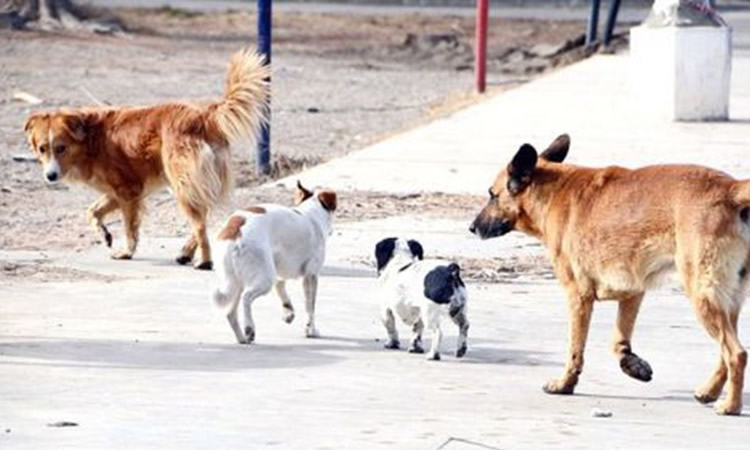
(557, 150)
(521, 168)
(301, 194)
(328, 200)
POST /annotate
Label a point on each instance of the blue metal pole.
(593, 22)
(614, 7)
(263, 151)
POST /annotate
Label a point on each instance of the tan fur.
(126, 153)
(613, 232)
(256, 210)
(231, 230)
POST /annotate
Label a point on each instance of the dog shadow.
(196, 357)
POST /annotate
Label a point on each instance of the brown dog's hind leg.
(711, 390)
(131, 215)
(630, 363)
(197, 218)
(722, 327)
(580, 308)
(96, 214)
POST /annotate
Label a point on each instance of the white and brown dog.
(420, 292)
(262, 247)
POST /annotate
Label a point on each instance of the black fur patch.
(384, 251)
(416, 249)
(441, 282)
(743, 272)
(745, 214)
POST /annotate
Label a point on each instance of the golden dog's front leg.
(580, 308)
(630, 363)
(96, 214)
(131, 214)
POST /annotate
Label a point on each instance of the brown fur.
(256, 210)
(613, 232)
(328, 200)
(231, 230)
(126, 153)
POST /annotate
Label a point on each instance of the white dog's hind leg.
(287, 313)
(248, 296)
(310, 285)
(389, 322)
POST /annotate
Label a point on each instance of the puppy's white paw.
(311, 331)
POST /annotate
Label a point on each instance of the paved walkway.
(143, 361)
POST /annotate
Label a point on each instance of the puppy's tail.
(245, 106)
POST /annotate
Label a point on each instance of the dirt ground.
(340, 82)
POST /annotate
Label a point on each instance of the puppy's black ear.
(521, 168)
(557, 150)
(416, 249)
(384, 251)
(301, 194)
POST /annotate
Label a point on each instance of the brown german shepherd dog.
(613, 232)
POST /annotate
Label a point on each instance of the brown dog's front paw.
(725, 408)
(205, 265)
(559, 387)
(636, 367)
(122, 255)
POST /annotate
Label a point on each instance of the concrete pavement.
(136, 356)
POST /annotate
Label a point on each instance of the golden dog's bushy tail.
(244, 109)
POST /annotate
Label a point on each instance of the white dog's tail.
(244, 109)
(227, 279)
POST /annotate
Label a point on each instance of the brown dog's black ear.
(301, 194)
(521, 168)
(76, 125)
(557, 150)
(328, 200)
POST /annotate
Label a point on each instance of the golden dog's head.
(57, 139)
(511, 190)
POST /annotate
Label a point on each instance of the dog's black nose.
(51, 176)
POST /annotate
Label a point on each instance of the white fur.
(402, 290)
(275, 246)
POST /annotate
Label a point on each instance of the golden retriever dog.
(613, 232)
(126, 153)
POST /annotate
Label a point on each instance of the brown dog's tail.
(244, 109)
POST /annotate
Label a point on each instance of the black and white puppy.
(420, 292)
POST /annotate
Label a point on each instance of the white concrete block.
(681, 73)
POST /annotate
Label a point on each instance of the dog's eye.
(59, 149)
(43, 149)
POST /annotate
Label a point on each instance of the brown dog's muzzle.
(490, 228)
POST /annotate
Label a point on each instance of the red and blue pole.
(480, 54)
(263, 150)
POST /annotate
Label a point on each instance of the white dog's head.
(400, 251)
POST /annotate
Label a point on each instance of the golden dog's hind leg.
(96, 214)
(188, 251)
(131, 215)
(580, 308)
(197, 218)
(630, 363)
